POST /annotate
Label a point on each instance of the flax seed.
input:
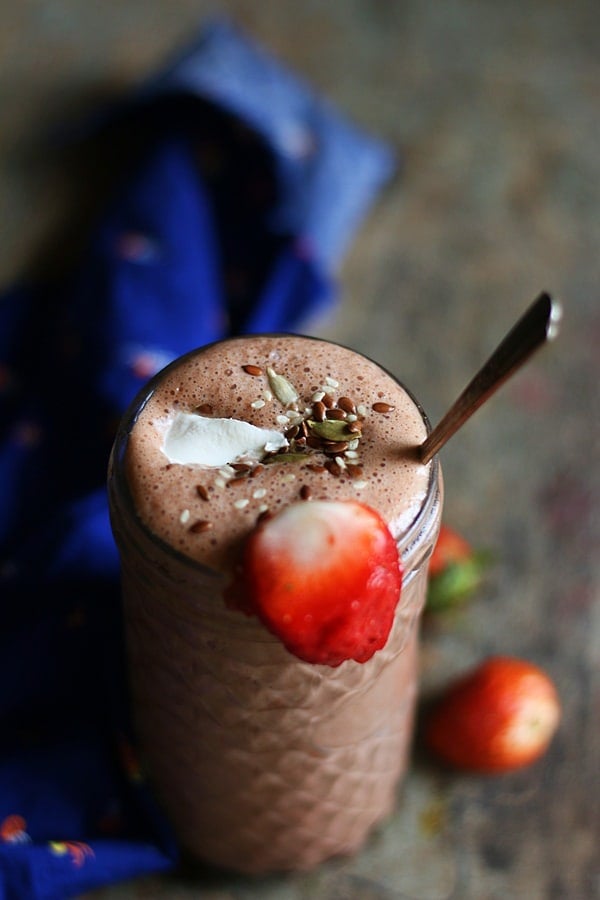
(355, 471)
(347, 404)
(200, 526)
(241, 468)
(202, 491)
(382, 407)
(205, 409)
(253, 370)
(334, 413)
(319, 411)
(335, 447)
(328, 401)
(305, 492)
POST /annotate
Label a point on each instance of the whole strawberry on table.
(497, 717)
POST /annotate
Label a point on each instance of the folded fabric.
(237, 203)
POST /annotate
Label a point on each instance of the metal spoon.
(537, 325)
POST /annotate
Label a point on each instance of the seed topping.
(347, 405)
(253, 370)
(319, 411)
(202, 492)
(381, 407)
(200, 526)
(285, 392)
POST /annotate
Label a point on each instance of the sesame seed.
(331, 382)
(289, 477)
(282, 420)
(257, 404)
(263, 508)
(351, 417)
(220, 482)
(259, 493)
(359, 484)
(268, 395)
(318, 395)
(340, 461)
(351, 452)
(185, 516)
(361, 409)
(240, 504)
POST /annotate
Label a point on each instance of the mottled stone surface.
(494, 107)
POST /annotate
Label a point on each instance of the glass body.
(261, 762)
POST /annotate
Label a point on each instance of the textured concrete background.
(495, 109)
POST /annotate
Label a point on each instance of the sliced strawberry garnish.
(325, 578)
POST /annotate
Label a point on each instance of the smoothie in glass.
(262, 761)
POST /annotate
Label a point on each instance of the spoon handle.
(537, 325)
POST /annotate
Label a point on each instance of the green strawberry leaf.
(456, 583)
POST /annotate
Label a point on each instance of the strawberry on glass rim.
(325, 578)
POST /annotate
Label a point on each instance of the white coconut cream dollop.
(191, 439)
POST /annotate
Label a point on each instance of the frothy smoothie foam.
(264, 761)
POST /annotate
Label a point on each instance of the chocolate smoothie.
(261, 761)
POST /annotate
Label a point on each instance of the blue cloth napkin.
(241, 193)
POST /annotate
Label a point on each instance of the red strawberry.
(455, 570)
(325, 578)
(498, 717)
